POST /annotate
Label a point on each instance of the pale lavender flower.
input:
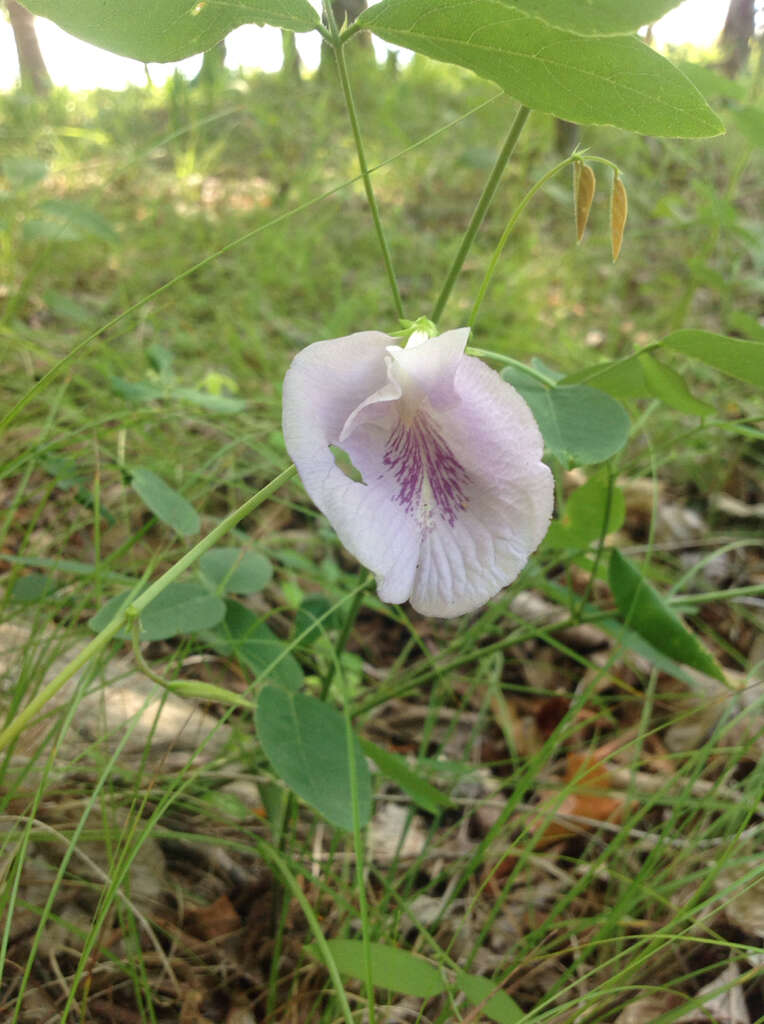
(454, 497)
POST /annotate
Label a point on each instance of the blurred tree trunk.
(566, 136)
(34, 74)
(291, 68)
(346, 10)
(736, 36)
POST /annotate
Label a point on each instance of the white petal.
(324, 384)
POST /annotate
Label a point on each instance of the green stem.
(280, 865)
(483, 353)
(363, 906)
(600, 544)
(132, 610)
(364, 582)
(753, 590)
(516, 216)
(372, 199)
(224, 527)
(478, 214)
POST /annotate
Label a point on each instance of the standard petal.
(325, 383)
(428, 368)
(508, 497)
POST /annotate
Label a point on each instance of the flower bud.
(584, 185)
(619, 207)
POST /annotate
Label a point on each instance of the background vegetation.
(583, 822)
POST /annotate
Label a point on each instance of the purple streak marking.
(417, 452)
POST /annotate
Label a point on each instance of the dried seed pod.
(584, 185)
(619, 207)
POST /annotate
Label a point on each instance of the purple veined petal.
(455, 496)
(508, 497)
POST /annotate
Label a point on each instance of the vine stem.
(133, 609)
(358, 847)
(478, 214)
(339, 53)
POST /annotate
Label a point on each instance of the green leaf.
(32, 588)
(395, 969)
(605, 18)
(670, 387)
(750, 121)
(644, 610)
(618, 81)
(23, 171)
(584, 515)
(304, 739)
(164, 30)
(135, 390)
(166, 504)
(235, 571)
(580, 425)
(180, 609)
(315, 611)
(621, 378)
(498, 1006)
(242, 635)
(215, 403)
(736, 356)
(394, 767)
(711, 83)
(71, 221)
(641, 375)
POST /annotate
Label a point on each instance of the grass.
(598, 847)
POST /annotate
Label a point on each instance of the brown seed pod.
(619, 207)
(584, 185)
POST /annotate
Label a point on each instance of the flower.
(454, 496)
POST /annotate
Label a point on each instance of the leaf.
(750, 121)
(23, 171)
(498, 1006)
(215, 403)
(670, 387)
(135, 390)
(394, 767)
(164, 30)
(644, 610)
(166, 504)
(584, 515)
(31, 588)
(242, 635)
(622, 378)
(641, 375)
(73, 221)
(235, 571)
(160, 359)
(304, 739)
(180, 609)
(736, 356)
(580, 425)
(391, 968)
(618, 81)
(315, 611)
(605, 18)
